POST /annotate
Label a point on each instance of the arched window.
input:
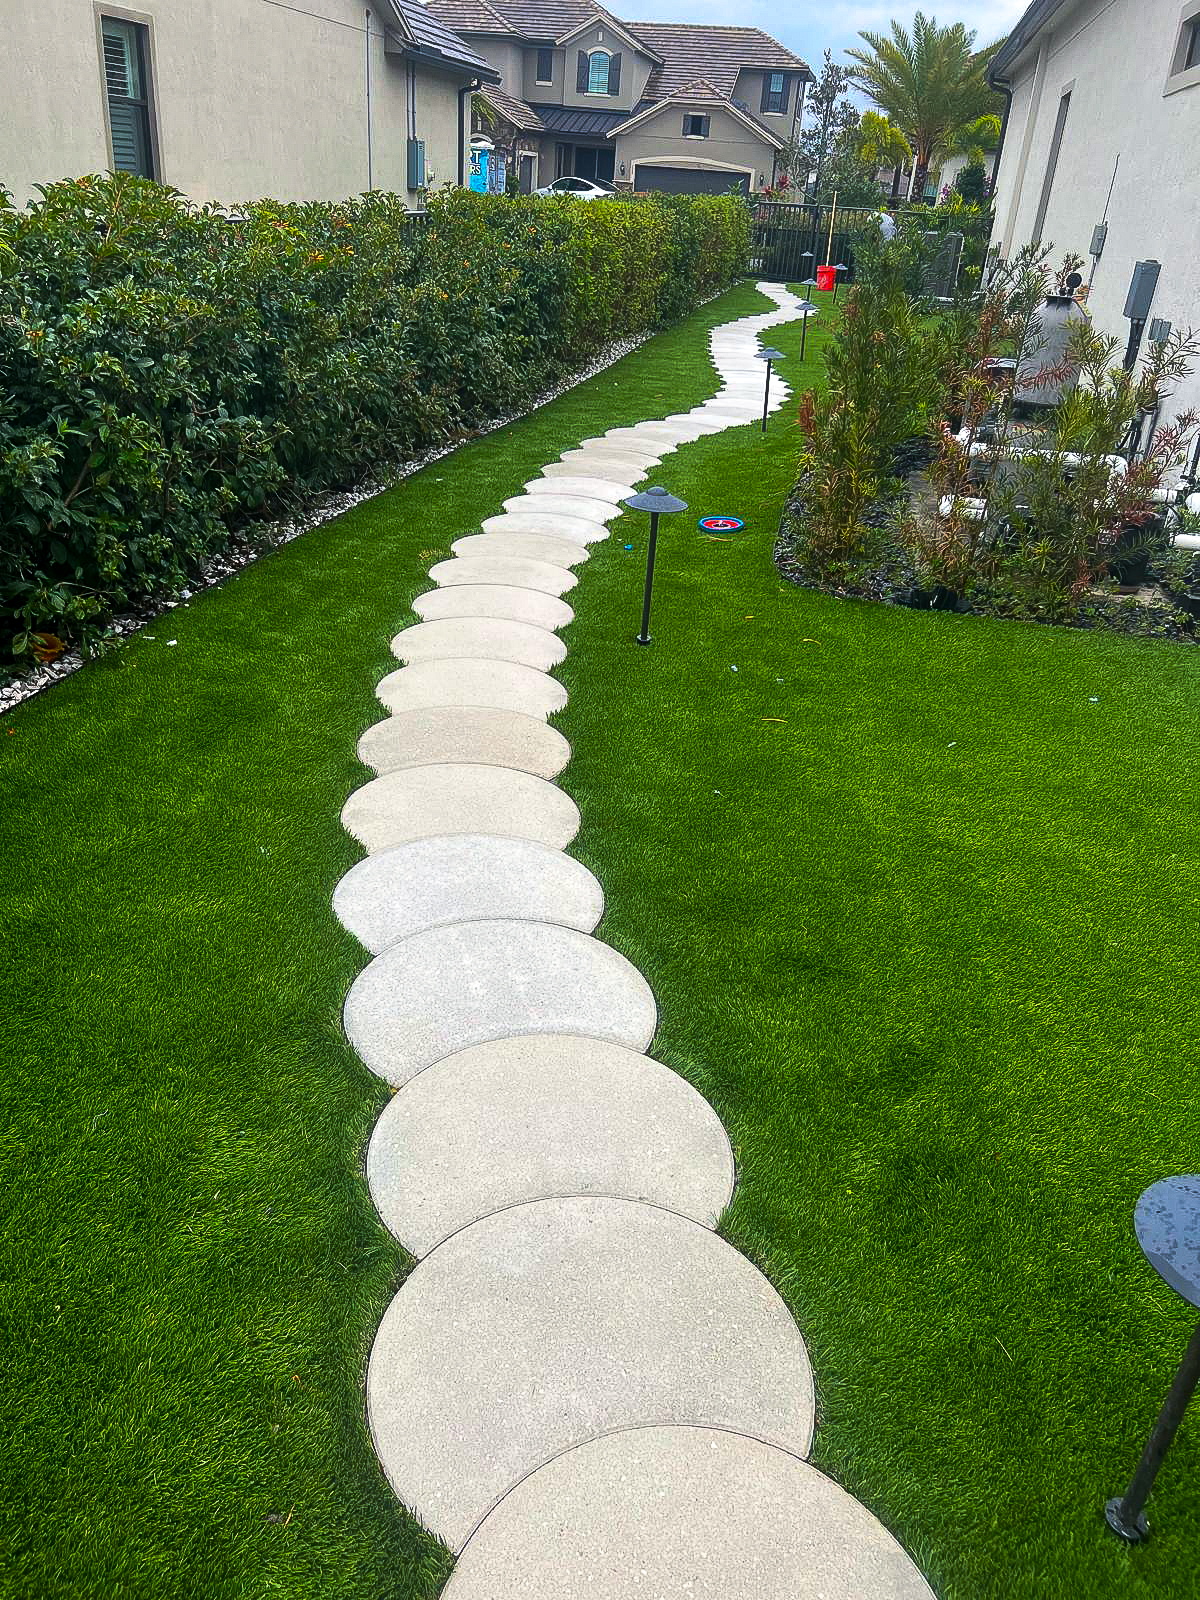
(599, 62)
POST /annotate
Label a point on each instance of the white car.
(579, 188)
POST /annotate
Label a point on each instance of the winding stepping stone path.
(581, 1388)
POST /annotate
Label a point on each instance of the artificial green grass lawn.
(927, 943)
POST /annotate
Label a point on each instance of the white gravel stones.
(482, 637)
(557, 548)
(519, 571)
(484, 735)
(480, 682)
(421, 801)
(460, 878)
(547, 1324)
(441, 991)
(695, 1514)
(566, 505)
(608, 490)
(558, 524)
(534, 1117)
(494, 600)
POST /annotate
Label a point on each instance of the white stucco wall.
(250, 99)
(1115, 59)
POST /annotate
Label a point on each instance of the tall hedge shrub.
(169, 372)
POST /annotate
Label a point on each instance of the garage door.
(690, 180)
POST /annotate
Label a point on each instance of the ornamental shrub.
(169, 373)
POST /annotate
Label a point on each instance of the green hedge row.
(169, 373)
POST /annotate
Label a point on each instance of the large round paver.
(604, 490)
(539, 1116)
(481, 682)
(519, 571)
(459, 878)
(486, 637)
(620, 476)
(450, 798)
(441, 991)
(636, 448)
(537, 546)
(547, 1324)
(590, 508)
(674, 1513)
(494, 600)
(558, 524)
(484, 735)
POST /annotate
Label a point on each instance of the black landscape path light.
(839, 267)
(1166, 1221)
(806, 309)
(658, 503)
(770, 357)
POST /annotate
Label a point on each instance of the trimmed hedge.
(169, 373)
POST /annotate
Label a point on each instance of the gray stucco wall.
(250, 100)
(1123, 102)
(729, 146)
(633, 82)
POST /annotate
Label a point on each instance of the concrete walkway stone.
(487, 637)
(604, 468)
(672, 1513)
(463, 877)
(635, 448)
(547, 1324)
(557, 524)
(423, 801)
(588, 489)
(441, 991)
(481, 734)
(539, 1116)
(495, 600)
(553, 547)
(450, 681)
(589, 507)
(519, 571)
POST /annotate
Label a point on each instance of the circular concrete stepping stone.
(459, 878)
(483, 735)
(441, 991)
(453, 798)
(547, 1324)
(481, 682)
(676, 1513)
(488, 637)
(620, 476)
(536, 546)
(588, 489)
(519, 572)
(544, 1115)
(553, 524)
(669, 434)
(494, 600)
(567, 505)
(635, 448)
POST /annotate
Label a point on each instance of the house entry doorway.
(585, 161)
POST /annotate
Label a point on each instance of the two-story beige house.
(648, 105)
(233, 100)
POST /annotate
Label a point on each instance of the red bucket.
(826, 277)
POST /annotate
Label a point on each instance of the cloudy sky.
(810, 28)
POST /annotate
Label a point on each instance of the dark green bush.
(169, 373)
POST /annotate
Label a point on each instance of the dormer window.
(598, 72)
(599, 63)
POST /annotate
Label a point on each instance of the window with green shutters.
(127, 89)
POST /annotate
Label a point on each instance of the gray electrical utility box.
(416, 163)
(1141, 290)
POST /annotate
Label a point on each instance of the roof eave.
(1027, 29)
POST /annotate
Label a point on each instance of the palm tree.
(883, 146)
(930, 84)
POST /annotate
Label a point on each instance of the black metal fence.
(792, 239)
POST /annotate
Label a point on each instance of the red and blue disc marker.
(721, 524)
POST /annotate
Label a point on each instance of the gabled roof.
(695, 50)
(426, 35)
(522, 116)
(699, 92)
(620, 28)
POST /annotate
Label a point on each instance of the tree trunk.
(920, 176)
(897, 174)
